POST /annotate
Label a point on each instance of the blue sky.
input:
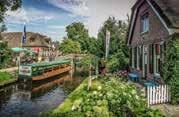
(50, 17)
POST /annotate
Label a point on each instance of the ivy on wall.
(171, 68)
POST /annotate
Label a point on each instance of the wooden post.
(97, 69)
(71, 71)
(90, 79)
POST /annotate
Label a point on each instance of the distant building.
(36, 42)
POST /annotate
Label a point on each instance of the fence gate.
(158, 94)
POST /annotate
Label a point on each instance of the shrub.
(109, 97)
(171, 69)
(117, 62)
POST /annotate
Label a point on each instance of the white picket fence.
(158, 94)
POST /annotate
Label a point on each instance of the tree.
(118, 61)
(68, 46)
(118, 52)
(77, 32)
(5, 5)
(3, 27)
(117, 31)
(91, 45)
(5, 54)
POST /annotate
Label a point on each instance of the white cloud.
(100, 10)
(28, 15)
(76, 7)
(96, 11)
(55, 35)
(56, 27)
(17, 17)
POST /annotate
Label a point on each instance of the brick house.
(152, 24)
(35, 42)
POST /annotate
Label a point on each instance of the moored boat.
(43, 70)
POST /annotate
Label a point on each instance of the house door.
(145, 61)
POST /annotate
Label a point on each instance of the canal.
(32, 98)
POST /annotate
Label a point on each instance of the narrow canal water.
(31, 99)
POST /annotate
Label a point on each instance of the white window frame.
(145, 23)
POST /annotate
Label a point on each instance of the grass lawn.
(66, 106)
(5, 78)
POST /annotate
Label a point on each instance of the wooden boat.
(43, 70)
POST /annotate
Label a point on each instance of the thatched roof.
(32, 40)
(169, 9)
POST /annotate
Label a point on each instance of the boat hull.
(52, 73)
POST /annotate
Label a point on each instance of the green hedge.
(171, 68)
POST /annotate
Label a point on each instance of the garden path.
(168, 110)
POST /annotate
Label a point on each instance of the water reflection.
(32, 98)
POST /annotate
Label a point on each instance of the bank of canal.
(31, 99)
(6, 78)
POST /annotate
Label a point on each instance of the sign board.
(25, 70)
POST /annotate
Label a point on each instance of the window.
(145, 23)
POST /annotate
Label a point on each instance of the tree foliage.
(118, 51)
(117, 31)
(5, 5)
(88, 60)
(8, 5)
(77, 32)
(118, 61)
(5, 54)
(69, 46)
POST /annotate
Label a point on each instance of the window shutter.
(151, 57)
(135, 57)
(130, 62)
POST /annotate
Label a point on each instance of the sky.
(50, 17)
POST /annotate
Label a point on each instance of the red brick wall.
(157, 31)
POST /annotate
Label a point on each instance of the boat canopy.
(44, 64)
(36, 69)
